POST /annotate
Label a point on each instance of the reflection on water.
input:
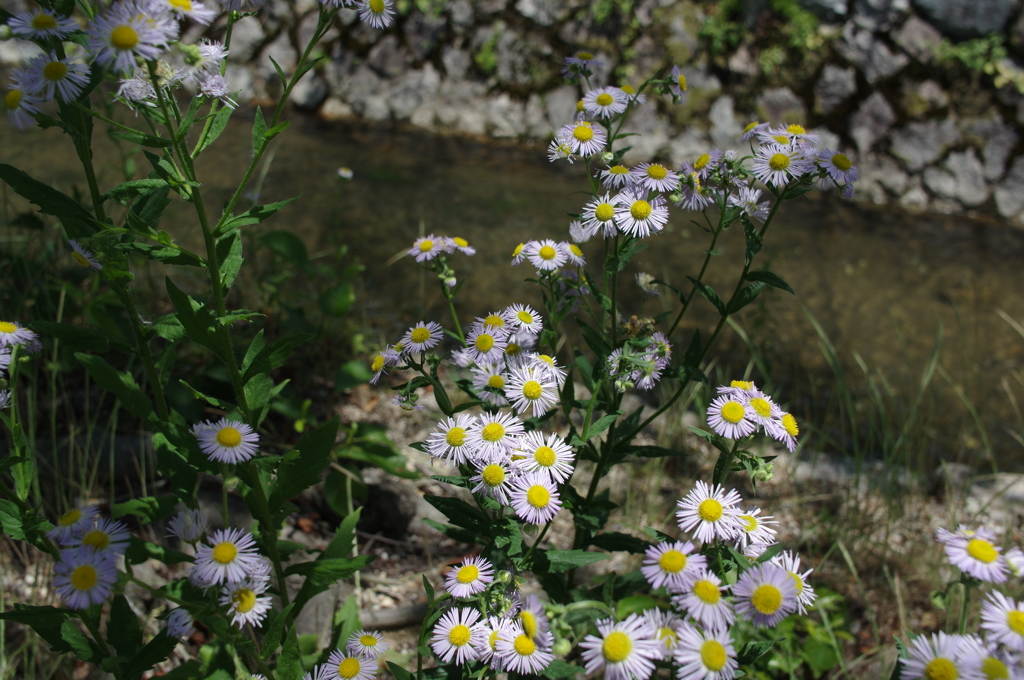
(878, 280)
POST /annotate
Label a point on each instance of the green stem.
(267, 531)
(700, 278)
(451, 306)
(964, 606)
(540, 538)
(152, 372)
(94, 630)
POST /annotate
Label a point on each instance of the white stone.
(653, 136)
(688, 146)
(725, 128)
(871, 54)
(1009, 193)
(871, 122)
(919, 144)
(962, 179)
(835, 86)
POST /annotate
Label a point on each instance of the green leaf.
(259, 129)
(326, 572)
(166, 171)
(461, 513)
(49, 200)
(509, 537)
(156, 650)
(290, 247)
(164, 254)
(754, 240)
(45, 621)
(770, 278)
(140, 138)
(196, 319)
(564, 560)
(634, 604)
(399, 672)
(84, 648)
(345, 622)
(229, 255)
(148, 509)
(600, 425)
(123, 631)
(145, 212)
(139, 551)
(594, 339)
(79, 338)
(122, 384)
(709, 293)
(302, 472)
(557, 669)
(220, 121)
(613, 541)
(454, 533)
(253, 215)
(653, 452)
(276, 130)
(21, 526)
(755, 649)
(123, 193)
(289, 665)
(745, 296)
(274, 356)
(274, 630)
(393, 463)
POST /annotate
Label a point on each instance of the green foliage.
(987, 55)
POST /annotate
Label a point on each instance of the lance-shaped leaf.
(49, 200)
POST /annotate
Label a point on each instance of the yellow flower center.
(1015, 620)
(459, 635)
(741, 384)
(455, 437)
(84, 577)
(349, 668)
(525, 317)
(749, 523)
(12, 100)
(420, 334)
(618, 170)
(55, 70)
(493, 641)
(640, 210)
(225, 552)
(797, 581)
(532, 390)
(604, 211)
(494, 320)
(518, 250)
(378, 363)
(575, 249)
(484, 342)
(524, 646)
(710, 510)
(96, 539)
(763, 408)
(529, 623)
(842, 162)
(751, 126)
(546, 359)
(229, 436)
(941, 669)
(71, 516)
(616, 646)
(669, 637)
(493, 475)
(583, 132)
(681, 81)
(496, 381)
(43, 22)
(460, 242)
(512, 349)
(426, 246)
(656, 171)
(982, 550)
(604, 99)
(467, 574)
(994, 669)
(733, 412)
(766, 599)
(124, 38)
(628, 89)
(707, 592)
(493, 432)
(545, 455)
(183, 5)
(579, 106)
(538, 496)
(712, 655)
(672, 561)
(368, 640)
(796, 130)
(377, 6)
(244, 600)
(585, 56)
(547, 253)
(778, 162)
(789, 424)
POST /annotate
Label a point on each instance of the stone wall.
(927, 131)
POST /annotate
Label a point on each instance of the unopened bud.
(450, 281)
(530, 529)
(503, 576)
(607, 157)
(764, 473)
(5, 32)
(675, 197)
(561, 647)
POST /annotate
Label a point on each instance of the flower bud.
(5, 32)
(764, 473)
(561, 647)
(607, 157)
(503, 576)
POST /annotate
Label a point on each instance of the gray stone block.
(871, 122)
(835, 86)
(869, 53)
(965, 19)
(919, 144)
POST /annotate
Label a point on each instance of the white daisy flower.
(494, 435)
(523, 653)
(1014, 556)
(494, 477)
(552, 457)
(422, 336)
(746, 200)
(245, 602)
(12, 333)
(530, 389)
(195, 11)
(489, 376)
(577, 233)
(616, 177)
(50, 76)
(672, 565)
(654, 177)
(667, 629)
(487, 343)
(624, 650)
(41, 24)
(547, 364)
(634, 98)
(704, 164)
(229, 556)
(693, 195)
(127, 31)
(776, 165)
(705, 603)
(977, 556)
(381, 361)
(72, 523)
(188, 525)
(84, 577)
(580, 63)
(1002, 619)
(105, 535)
(214, 86)
(729, 417)
(205, 58)
(765, 594)
(575, 255)
(995, 662)
(709, 513)
(497, 323)
(752, 130)
(494, 628)
(754, 528)
(457, 636)
(377, 13)
(534, 621)
(584, 137)
(639, 217)
(472, 577)
(784, 428)
(457, 243)
(793, 135)
(762, 410)
(678, 81)
(179, 623)
(599, 215)
(518, 254)
(838, 166)
(260, 573)
(605, 102)
(790, 561)
(427, 248)
(546, 255)
(561, 147)
(136, 92)
(941, 656)
(348, 665)
(449, 441)
(83, 256)
(707, 655)
(534, 498)
(5, 358)
(228, 441)
(368, 644)
(524, 317)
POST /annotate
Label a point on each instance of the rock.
(688, 146)
(870, 53)
(456, 62)
(524, 60)
(653, 137)
(998, 500)
(780, 105)
(879, 15)
(997, 140)
(423, 31)
(535, 118)
(966, 19)
(835, 86)
(918, 38)
(922, 98)
(544, 12)
(283, 53)
(919, 144)
(962, 179)
(880, 177)
(460, 12)
(310, 92)
(335, 109)
(742, 61)
(915, 198)
(388, 58)
(505, 116)
(240, 80)
(408, 92)
(829, 11)
(246, 36)
(560, 105)
(725, 128)
(1009, 193)
(827, 139)
(871, 122)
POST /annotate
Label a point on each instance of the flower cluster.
(740, 409)
(90, 546)
(548, 255)
(640, 368)
(229, 560)
(357, 661)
